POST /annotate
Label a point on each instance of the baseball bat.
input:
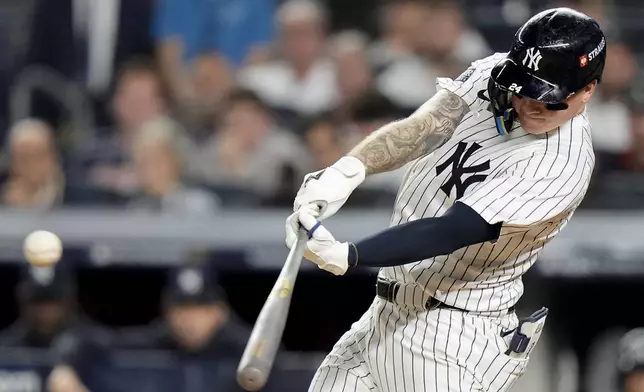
(261, 349)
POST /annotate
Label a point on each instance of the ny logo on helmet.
(532, 59)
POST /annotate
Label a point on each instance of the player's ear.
(587, 92)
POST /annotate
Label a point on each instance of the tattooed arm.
(388, 148)
(400, 142)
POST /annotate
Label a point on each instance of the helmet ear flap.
(501, 106)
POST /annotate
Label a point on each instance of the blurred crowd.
(195, 344)
(191, 106)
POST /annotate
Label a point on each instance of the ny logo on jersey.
(457, 160)
(532, 59)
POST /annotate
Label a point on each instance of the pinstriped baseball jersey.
(530, 183)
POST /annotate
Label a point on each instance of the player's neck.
(580, 111)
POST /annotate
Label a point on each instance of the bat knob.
(251, 379)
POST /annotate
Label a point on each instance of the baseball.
(42, 248)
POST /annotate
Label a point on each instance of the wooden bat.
(259, 355)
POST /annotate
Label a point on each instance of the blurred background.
(164, 142)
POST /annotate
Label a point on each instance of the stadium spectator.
(609, 110)
(447, 39)
(35, 177)
(250, 150)
(603, 370)
(46, 299)
(48, 316)
(323, 141)
(402, 75)
(633, 158)
(443, 45)
(630, 361)
(229, 32)
(212, 80)
(140, 96)
(160, 153)
(302, 81)
(400, 25)
(8, 63)
(354, 75)
(198, 329)
(86, 42)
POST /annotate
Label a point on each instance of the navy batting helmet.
(555, 54)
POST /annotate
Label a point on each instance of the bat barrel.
(257, 361)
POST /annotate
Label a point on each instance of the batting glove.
(321, 248)
(330, 188)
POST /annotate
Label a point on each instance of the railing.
(70, 95)
(27, 369)
(592, 243)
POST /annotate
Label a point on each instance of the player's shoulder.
(575, 133)
(481, 67)
(489, 61)
(560, 153)
(474, 79)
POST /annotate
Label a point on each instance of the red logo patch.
(583, 61)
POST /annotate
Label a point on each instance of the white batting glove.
(330, 188)
(322, 249)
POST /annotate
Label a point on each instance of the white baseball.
(42, 248)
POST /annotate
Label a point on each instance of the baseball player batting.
(500, 159)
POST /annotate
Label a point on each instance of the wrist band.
(353, 255)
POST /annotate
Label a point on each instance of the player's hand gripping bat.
(259, 355)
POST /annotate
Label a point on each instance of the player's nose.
(533, 107)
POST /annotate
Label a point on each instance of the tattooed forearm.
(397, 143)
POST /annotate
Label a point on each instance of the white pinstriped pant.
(398, 349)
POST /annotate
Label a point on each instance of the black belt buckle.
(393, 290)
(387, 289)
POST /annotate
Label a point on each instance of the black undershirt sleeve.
(460, 226)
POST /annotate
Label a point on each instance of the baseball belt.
(388, 289)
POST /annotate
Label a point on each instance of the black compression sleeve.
(423, 238)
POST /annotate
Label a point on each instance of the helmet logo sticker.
(583, 61)
(532, 59)
(597, 50)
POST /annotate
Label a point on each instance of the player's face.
(536, 119)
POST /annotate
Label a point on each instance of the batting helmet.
(555, 54)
